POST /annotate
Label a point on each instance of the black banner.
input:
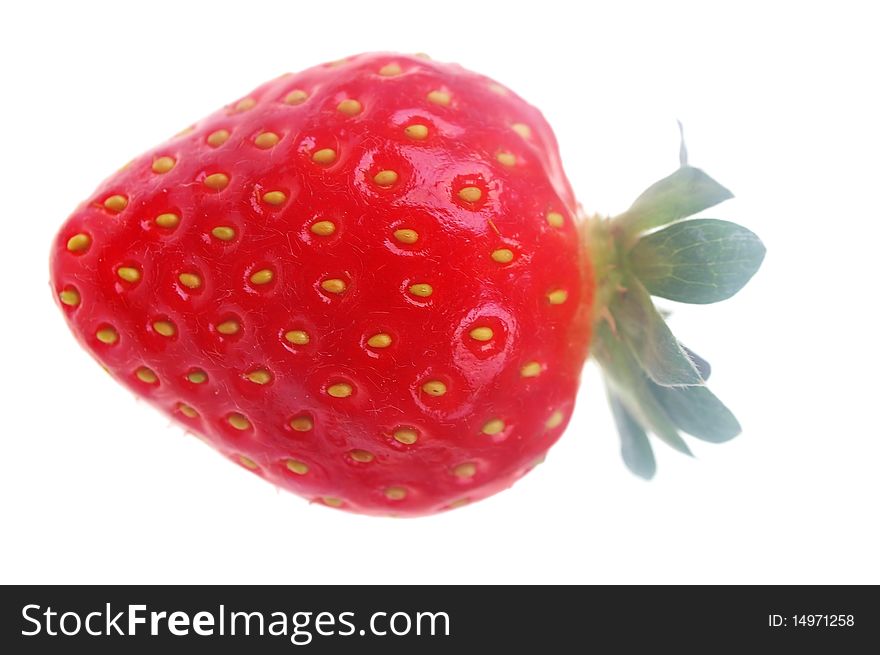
(342, 619)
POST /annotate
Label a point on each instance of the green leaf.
(684, 193)
(626, 378)
(634, 445)
(645, 332)
(697, 411)
(700, 261)
(704, 368)
(659, 424)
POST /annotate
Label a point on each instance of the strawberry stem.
(655, 385)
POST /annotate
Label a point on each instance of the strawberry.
(365, 282)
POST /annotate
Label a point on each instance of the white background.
(780, 103)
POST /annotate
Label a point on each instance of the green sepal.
(697, 411)
(704, 368)
(628, 382)
(649, 338)
(700, 261)
(684, 193)
(634, 445)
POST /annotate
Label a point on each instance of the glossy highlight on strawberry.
(363, 282)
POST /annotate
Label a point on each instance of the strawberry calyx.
(654, 249)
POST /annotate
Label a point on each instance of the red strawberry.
(364, 282)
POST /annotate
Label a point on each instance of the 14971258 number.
(823, 620)
(811, 621)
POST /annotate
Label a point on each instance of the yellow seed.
(334, 285)
(422, 290)
(298, 337)
(482, 334)
(406, 436)
(506, 159)
(223, 232)
(190, 280)
(217, 181)
(324, 156)
(530, 370)
(418, 132)
(228, 327)
(385, 178)
(340, 390)
(129, 274)
(323, 228)
(116, 203)
(466, 470)
(406, 236)
(422, 55)
(494, 426)
(186, 130)
(259, 376)
(168, 220)
(439, 98)
(79, 242)
(502, 255)
(332, 502)
(217, 138)
(266, 140)
(296, 466)
(301, 423)
(187, 411)
(380, 340)
(245, 104)
(555, 419)
(395, 493)
(263, 276)
(470, 194)
(390, 70)
(350, 107)
(274, 197)
(363, 456)
(461, 502)
(522, 129)
(69, 297)
(107, 335)
(163, 164)
(497, 88)
(296, 97)
(434, 388)
(146, 375)
(197, 377)
(247, 462)
(238, 421)
(165, 328)
(555, 219)
(557, 297)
